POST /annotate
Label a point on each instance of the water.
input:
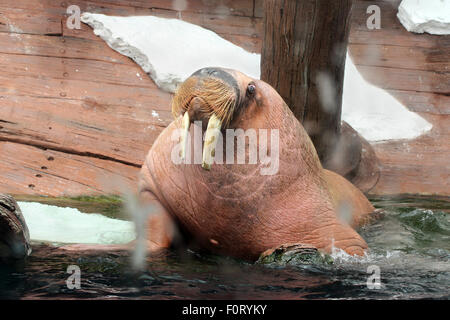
(410, 244)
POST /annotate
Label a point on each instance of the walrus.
(231, 208)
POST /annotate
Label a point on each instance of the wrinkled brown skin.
(234, 210)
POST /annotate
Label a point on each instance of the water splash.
(139, 214)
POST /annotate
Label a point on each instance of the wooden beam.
(298, 47)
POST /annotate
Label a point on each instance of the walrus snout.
(209, 94)
(216, 89)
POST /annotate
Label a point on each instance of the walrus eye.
(251, 88)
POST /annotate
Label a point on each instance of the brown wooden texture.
(421, 164)
(66, 96)
(415, 69)
(298, 47)
(29, 20)
(31, 170)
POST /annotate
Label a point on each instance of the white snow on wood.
(68, 225)
(374, 113)
(171, 50)
(419, 16)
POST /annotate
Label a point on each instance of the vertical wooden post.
(303, 58)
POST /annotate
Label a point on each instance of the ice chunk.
(432, 16)
(68, 225)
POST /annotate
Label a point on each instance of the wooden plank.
(423, 102)
(90, 115)
(13, 20)
(392, 31)
(41, 67)
(64, 47)
(29, 170)
(418, 166)
(397, 38)
(408, 80)
(224, 25)
(122, 133)
(414, 58)
(89, 91)
(258, 10)
(218, 7)
(85, 32)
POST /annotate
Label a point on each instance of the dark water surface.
(410, 244)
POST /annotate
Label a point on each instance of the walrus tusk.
(185, 124)
(211, 137)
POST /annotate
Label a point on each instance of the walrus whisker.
(183, 96)
(219, 98)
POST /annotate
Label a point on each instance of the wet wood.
(391, 32)
(81, 127)
(29, 20)
(62, 47)
(226, 26)
(16, 65)
(305, 63)
(92, 92)
(408, 80)
(104, 118)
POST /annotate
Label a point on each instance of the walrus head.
(213, 96)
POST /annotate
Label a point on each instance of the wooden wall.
(414, 68)
(77, 117)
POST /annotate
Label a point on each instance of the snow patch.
(419, 16)
(170, 50)
(68, 225)
(374, 113)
